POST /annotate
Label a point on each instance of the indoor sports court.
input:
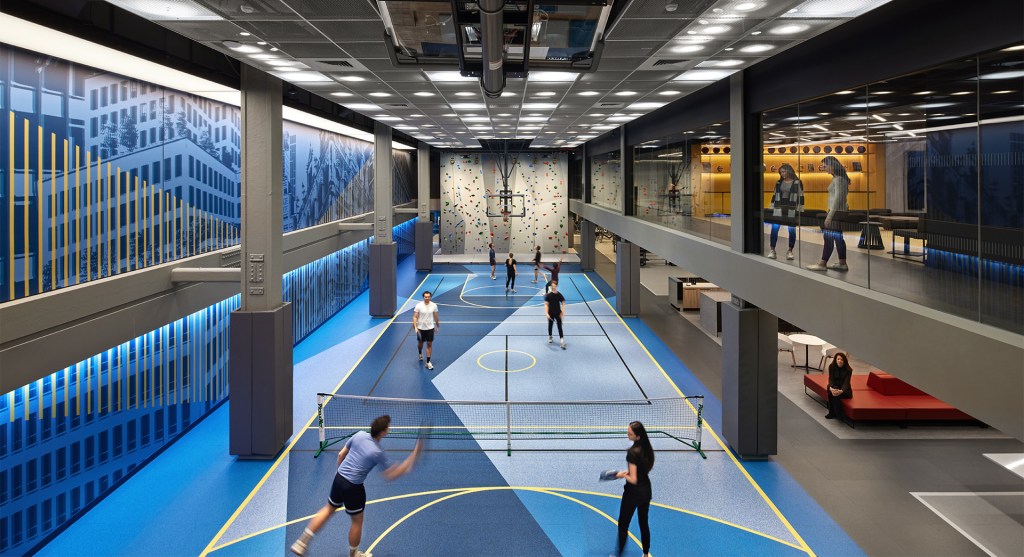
(487, 487)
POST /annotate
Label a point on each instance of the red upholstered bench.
(881, 396)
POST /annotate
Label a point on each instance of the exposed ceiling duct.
(492, 23)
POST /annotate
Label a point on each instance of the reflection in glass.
(683, 181)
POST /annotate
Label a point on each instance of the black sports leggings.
(635, 498)
(552, 320)
(510, 280)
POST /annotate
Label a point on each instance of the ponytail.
(644, 444)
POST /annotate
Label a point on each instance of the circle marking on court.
(533, 362)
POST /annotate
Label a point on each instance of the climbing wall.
(466, 178)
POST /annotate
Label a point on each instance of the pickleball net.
(511, 425)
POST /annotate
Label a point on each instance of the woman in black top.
(510, 273)
(839, 375)
(636, 495)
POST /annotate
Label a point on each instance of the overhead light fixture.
(341, 94)
(671, 6)
(879, 118)
(754, 48)
(755, 33)
(468, 106)
(588, 93)
(625, 93)
(380, 94)
(275, 61)
(704, 75)
(465, 94)
(507, 94)
(686, 48)
(847, 92)
(871, 104)
(1003, 92)
(352, 78)
(263, 56)
(424, 94)
(746, 6)
(363, 106)
(180, 10)
(668, 93)
(927, 106)
(389, 118)
(1014, 48)
(243, 48)
(303, 77)
(448, 76)
(1002, 75)
(789, 29)
(540, 106)
(715, 29)
(646, 105)
(553, 76)
(924, 93)
(286, 69)
(476, 119)
(546, 94)
(728, 63)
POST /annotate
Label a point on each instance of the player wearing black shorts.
(360, 454)
(425, 321)
(554, 307)
(510, 273)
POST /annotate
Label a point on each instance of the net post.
(700, 428)
(508, 426)
(321, 431)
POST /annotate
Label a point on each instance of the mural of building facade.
(105, 174)
(467, 179)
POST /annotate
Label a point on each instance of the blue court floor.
(543, 499)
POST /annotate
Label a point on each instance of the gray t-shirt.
(363, 454)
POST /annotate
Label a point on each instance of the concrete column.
(261, 330)
(627, 279)
(424, 228)
(383, 251)
(750, 370)
(588, 245)
(626, 171)
(737, 160)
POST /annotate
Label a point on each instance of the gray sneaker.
(816, 267)
(421, 357)
(771, 254)
(562, 344)
(550, 340)
(839, 267)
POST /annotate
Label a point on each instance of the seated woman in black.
(839, 375)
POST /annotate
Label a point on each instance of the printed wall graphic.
(466, 180)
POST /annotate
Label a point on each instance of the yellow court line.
(803, 544)
(549, 490)
(298, 436)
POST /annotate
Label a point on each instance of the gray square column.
(424, 228)
(588, 245)
(750, 372)
(383, 251)
(260, 415)
(627, 279)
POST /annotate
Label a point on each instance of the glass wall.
(606, 181)
(683, 181)
(913, 187)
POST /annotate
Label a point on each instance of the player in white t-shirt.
(425, 322)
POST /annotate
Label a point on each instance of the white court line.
(920, 495)
(1013, 462)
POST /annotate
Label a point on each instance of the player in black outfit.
(491, 259)
(510, 273)
(554, 274)
(554, 306)
(636, 495)
(536, 264)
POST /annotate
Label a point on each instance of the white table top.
(809, 340)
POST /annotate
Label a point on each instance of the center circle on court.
(517, 361)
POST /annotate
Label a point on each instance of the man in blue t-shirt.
(361, 454)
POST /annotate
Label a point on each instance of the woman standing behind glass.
(838, 188)
(787, 202)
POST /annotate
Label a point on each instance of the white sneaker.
(771, 254)
(790, 256)
(513, 290)
(817, 267)
(550, 340)
(421, 357)
(533, 282)
(430, 365)
(562, 343)
(299, 548)
(839, 267)
(493, 277)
